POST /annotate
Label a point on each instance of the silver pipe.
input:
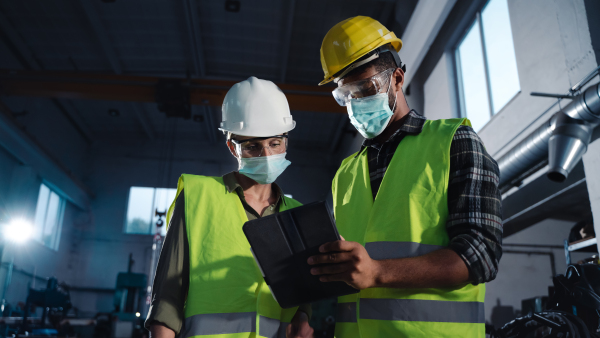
(563, 140)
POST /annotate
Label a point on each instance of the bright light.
(18, 231)
(137, 314)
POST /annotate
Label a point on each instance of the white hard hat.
(256, 107)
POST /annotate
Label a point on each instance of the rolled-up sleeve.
(171, 281)
(474, 221)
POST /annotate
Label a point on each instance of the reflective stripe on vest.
(271, 328)
(413, 310)
(230, 323)
(389, 250)
(219, 323)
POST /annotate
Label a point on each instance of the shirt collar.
(413, 125)
(231, 184)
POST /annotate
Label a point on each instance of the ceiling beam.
(101, 35)
(190, 10)
(287, 37)
(143, 89)
(142, 117)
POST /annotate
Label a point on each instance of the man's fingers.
(330, 269)
(338, 277)
(331, 258)
(337, 246)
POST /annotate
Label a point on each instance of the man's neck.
(397, 120)
(260, 192)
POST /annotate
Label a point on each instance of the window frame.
(152, 223)
(456, 71)
(60, 213)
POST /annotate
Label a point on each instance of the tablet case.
(281, 244)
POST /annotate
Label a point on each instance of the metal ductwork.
(561, 141)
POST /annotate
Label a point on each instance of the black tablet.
(281, 244)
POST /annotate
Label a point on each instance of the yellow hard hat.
(350, 40)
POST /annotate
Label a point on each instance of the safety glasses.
(254, 147)
(376, 84)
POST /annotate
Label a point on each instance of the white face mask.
(263, 169)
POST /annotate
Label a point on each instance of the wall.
(438, 103)
(553, 51)
(591, 162)
(49, 128)
(52, 130)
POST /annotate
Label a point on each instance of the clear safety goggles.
(376, 84)
(261, 146)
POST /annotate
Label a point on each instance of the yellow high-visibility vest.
(227, 294)
(406, 219)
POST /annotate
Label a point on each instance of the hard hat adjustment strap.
(376, 52)
(355, 65)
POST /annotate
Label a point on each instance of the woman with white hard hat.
(207, 282)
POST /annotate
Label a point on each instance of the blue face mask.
(263, 169)
(370, 115)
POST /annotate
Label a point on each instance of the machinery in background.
(55, 302)
(572, 310)
(582, 238)
(128, 302)
(323, 318)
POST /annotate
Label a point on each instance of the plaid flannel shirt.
(474, 221)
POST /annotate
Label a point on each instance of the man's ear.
(399, 76)
(231, 147)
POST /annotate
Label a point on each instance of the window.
(48, 217)
(486, 65)
(142, 206)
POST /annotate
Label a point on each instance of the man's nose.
(265, 151)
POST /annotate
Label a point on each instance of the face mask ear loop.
(395, 101)
(396, 97)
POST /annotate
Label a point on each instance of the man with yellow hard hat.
(418, 206)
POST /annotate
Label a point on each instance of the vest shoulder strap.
(195, 182)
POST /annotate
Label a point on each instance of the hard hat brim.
(258, 132)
